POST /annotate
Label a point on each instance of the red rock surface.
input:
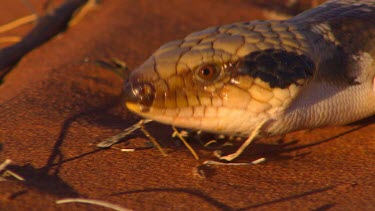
(56, 104)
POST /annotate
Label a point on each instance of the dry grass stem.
(92, 201)
(153, 140)
(11, 173)
(117, 138)
(10, 39)
(19, 22)
(185, 143)
(212, 162)
(3, 167)
(5, 164)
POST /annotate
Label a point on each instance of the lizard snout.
(141, 94)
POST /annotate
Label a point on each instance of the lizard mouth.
(139, 96)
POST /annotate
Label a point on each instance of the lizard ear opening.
(279, 68)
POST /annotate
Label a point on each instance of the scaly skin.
(264, 78)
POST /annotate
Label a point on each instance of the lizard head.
(222, 80)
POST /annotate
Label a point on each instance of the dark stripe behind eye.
(279, 68)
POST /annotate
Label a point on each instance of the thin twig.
(13, 174)
(253, 134)
(117, 138)
(185, 143)
(10, 39)
(257, 161)
(153, 140)
(19, 22)
(3, 167)
(5, 164)
(127, 150)
(92, 201)
(212, 162)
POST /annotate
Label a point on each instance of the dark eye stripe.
(277, 67)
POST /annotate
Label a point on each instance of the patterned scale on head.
(264, 78)
(223, 79)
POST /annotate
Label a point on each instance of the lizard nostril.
(140, 93)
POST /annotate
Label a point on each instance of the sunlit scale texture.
(229, 79)
(235, 100)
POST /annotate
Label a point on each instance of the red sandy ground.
(54, 108)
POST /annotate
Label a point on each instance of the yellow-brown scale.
(263, 77)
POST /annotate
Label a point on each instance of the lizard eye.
(208, 72)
